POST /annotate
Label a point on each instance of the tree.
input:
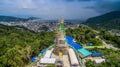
(13, 58)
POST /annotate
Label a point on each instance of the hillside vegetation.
(112, 58)
(110, 38)
(84, 35)
(107, 21)
(18, 45)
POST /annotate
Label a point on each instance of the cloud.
(104, 6)
(78, 0)
(51, 9)
(86, 0)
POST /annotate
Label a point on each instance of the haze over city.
(53, 9)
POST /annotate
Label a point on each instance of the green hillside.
(17, 45)
(15, 19)
(10, 18)
(107, 21)
(84, 35)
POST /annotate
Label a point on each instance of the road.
(110, 46)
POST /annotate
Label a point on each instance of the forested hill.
(15, 19)
(17, 45)
(108, 21)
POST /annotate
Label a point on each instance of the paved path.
(66, 61)
(110, 46)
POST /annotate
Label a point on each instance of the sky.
(54, 9)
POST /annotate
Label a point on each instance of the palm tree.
(26, 53)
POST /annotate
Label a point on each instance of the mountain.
(15, 19)
(107, 21)
(32, 18)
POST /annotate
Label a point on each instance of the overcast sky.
(54, 9)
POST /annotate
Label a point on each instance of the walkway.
(66, 61)
(110, 46)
